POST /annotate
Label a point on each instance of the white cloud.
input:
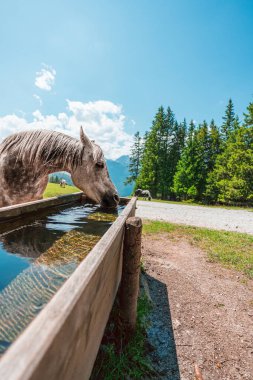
(103, 121)
(45, 78)
(37, 97)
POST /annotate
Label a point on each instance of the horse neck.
(58, 164)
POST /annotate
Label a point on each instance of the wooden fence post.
(129, 288)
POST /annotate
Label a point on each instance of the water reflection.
(35, 237)
(37, 256)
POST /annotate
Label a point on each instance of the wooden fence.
(18, 210)
(62, 342)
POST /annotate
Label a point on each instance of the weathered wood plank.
(129, 287)
(29, 207)
(15, 211)
(63, 340)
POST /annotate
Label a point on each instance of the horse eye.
(100, 164)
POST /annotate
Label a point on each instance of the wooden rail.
(63, 340)
(19, 210)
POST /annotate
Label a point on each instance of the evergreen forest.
(206, 163)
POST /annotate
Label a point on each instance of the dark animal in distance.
(27, 158)
(63, 183)
(143, 193)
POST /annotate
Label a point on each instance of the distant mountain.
(123, 160)
(118, 170)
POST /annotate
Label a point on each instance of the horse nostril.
(116, 197)
(110, 200)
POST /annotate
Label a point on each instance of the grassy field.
(232, 249)
(54, 189)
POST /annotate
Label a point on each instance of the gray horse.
(27, 158)
(63, 183)
(143, 193)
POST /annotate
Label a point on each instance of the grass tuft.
(131, 361)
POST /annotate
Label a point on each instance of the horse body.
(27, 158)
(19, 183)
(63, 182)
(143, 193)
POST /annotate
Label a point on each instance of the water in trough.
(37, 255)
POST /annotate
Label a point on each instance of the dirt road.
(203, 313)
(214, 218)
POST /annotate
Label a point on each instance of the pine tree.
(176, 148)
(203, 163)
(196, 161)
(135, 159)
(203, 156)
(248, 117)
(228, 121)
(236, 124)
(152, 152)
(167, 135)
(215, 145)
(184, 182)
(163, 146)
(232, 178)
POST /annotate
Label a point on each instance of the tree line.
(54, 179)
(205, 163)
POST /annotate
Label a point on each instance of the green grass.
(130, 362)
(232, 249)
(54, 190)
(191, 203)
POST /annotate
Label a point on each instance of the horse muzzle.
(110, 200)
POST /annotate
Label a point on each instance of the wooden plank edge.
(13, 211)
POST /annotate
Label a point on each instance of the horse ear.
(84, 139)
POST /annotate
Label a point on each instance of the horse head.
(91, 174)
(138, 192)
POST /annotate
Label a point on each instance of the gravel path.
(214, 218)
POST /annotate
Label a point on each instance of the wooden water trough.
(63, 340)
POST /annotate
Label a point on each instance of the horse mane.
(47, 147)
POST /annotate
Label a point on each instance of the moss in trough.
(72, 246)
(102, 217)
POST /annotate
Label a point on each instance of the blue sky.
(113, 63)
